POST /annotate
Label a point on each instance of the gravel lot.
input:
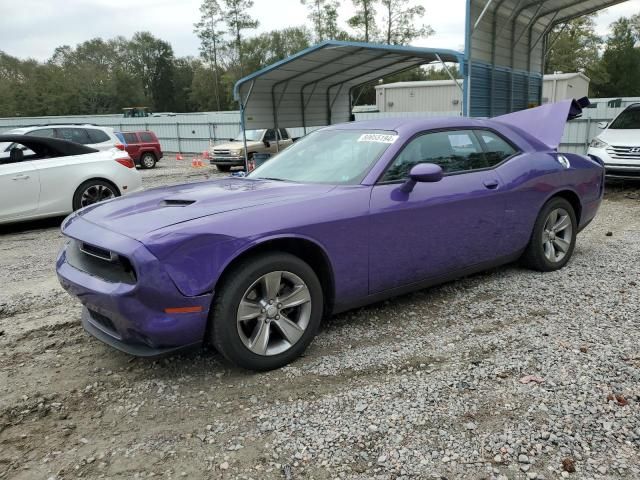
(429, 385)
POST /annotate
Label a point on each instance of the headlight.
(237, 153)
(597, 143)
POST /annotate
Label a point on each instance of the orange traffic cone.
(194, 162)
(205, 154)
(179, 156)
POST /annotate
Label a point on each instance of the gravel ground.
(506, 374)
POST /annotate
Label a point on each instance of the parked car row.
(52, 170)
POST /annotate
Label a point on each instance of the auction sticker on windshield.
(378, 138)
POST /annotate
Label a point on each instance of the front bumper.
(130, 316)
(233, 161)
(617, 168)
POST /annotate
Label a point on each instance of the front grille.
(101, 263)
(624, 153)
(221, 152)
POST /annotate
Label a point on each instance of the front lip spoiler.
(137, 350)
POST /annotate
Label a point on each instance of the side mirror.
(267, 144)
(603, 125)
(423, 173)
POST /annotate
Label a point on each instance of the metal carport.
(314, 87)
(506, 41)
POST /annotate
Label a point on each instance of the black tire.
(224, 331)
(534, 256)
(80, 201)
(148, 160)
(223, 168)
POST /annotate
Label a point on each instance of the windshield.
(252, 136)
(328, 156)
(627, 120)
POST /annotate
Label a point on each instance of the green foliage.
(238, 20)
(212, 41)
(621, 59)
(575, 47)
(364, 21)
(400, 25)
(324, 18)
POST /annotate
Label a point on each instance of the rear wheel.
(93, 191)
(554, 237)
(267, 311)
(223, 168)
(148, 160)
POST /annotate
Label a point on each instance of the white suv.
(93, 136)
(619, 144)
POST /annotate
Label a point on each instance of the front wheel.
(267, 311)
(554, 237)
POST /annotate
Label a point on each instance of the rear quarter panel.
(60, 177)
(531, 179)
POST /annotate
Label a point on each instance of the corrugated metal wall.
(439, 97)
(192, 133)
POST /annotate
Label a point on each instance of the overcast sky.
(34, 28)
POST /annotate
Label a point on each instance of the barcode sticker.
(378, 138)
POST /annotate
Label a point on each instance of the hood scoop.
(176, 203)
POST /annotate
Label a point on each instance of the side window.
(43, 132)
(77, 135)
(284, 135)
(496, 149)
(454, 151)
(16, 153)
(270, 136)
(130, 138)
(146, 137)
(97, 136)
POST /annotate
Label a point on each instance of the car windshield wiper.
(272, 178)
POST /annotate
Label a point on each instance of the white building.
(444, 96)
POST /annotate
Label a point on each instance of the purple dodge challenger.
(349, 215)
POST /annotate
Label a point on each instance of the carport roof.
(312, 87)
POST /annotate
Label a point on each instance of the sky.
(37, 27)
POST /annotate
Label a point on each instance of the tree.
(238, 20)
(271, 47)
(621, 60)
(573, 46)
(364, 20)
(151, 59)
(400, 22)
(211, 39)
(324, 17)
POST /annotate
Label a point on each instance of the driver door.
(19, 186)
(439, 228)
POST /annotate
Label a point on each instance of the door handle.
(21, 177)
(491, 184)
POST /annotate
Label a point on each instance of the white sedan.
(46, 177)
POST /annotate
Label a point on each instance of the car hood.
(623, 138)
(236, 145)
(138, 214)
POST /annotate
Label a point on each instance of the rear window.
(97, 136)
(77, 135)
(147, 137)
(627, 120)
(130, 138)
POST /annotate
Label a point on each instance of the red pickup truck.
(143, 147)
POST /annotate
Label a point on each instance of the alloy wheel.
(96, 193)
(274, 313)
(557, 235)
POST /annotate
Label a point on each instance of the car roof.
(409, 125)
(44, 144)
